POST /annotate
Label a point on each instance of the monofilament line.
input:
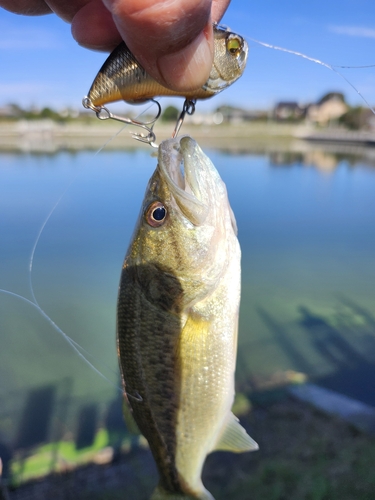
(332, 67)
(78, 349)
(74, 345)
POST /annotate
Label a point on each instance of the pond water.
(307, 231)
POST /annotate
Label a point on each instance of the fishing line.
(34, 302)
(78, 349)
(75, 346)
(354, 67)
(332, 67)
(115, 135)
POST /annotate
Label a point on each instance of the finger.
(93, 27)
(66, 9)
(172, 40)
(26, 7)
(218, 9)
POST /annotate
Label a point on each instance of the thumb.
(172, 40)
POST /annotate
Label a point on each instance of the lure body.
(122, 77)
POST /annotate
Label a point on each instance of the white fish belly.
(207, 358)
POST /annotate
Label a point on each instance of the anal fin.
(234, 438)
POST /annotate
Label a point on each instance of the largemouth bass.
(177, 319)
(122, 77)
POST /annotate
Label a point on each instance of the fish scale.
(154, 380)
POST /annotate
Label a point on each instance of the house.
(234, 115)
(10, 111)
(329, 108)
(289, 111)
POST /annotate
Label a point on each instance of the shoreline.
(301, 446)
(46, 136)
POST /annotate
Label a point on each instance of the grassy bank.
(304, 454)
(48, 136)
(259, 137)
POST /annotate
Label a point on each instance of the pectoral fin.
(234, 438)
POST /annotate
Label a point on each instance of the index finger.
(172, 40)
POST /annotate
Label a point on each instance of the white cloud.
(359, 31)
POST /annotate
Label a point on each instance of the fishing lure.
(122, 78)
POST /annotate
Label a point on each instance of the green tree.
(356, 118)
(170, 114)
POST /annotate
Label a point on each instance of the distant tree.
(356, 118)
(170, 114)
(48, 113)
(30, 114)
(43, 114)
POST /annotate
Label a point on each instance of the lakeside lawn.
(304, 455)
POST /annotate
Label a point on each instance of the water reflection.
(87, 426)
(321, 160)
(36, 418)
(311, 156)
(345, 341)
(347, 348)
(281, 151)
(328, 341)
(298, 360)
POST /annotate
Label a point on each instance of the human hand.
(172, 39)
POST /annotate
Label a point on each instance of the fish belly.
(207, 355)
(206, 397)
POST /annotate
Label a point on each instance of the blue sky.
(42, 65)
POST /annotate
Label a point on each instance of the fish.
(122, 77)
(177, 319)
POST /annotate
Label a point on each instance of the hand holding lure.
(122, 78)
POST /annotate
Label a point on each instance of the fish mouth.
(243, 55)
(181, 163)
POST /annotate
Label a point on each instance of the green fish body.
(177, 319)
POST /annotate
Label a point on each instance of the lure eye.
(156, 214)
(234, 44)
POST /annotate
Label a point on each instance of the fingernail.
(189, 68)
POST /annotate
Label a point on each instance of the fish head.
(186, 226)
(230, 57)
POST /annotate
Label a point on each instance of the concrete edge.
(355, 412)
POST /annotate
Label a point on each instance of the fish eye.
(156, 214)
(234, 44)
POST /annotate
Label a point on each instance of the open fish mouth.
(184, 171)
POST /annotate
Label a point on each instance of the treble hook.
(103, 113)
(188, 108)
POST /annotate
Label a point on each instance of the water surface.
(307, 231)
